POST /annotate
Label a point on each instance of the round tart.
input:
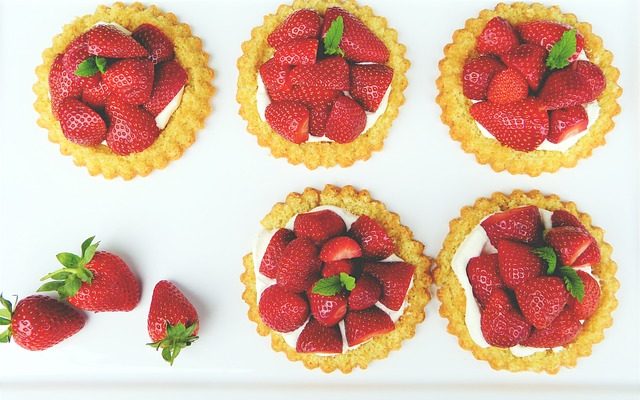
(143, 113)
(528, 89)
(521, 299)
(335, 279)
(343, 110)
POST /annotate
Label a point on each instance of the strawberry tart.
(526, 282)
(528, 89)
(335, 279)
(124, 91)
(321, 82)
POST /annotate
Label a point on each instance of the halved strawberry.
(593, 75)
(360, 326)
(569, 243)
(476, 75)
(335, 267)
(374, 240)
(132, 128)
(566, 122)
(297, 52)
(500, 322)
(369, 84)
(108, 41)
(497, 37)
(529, 60)
(591, 256)
(62, 84)
(565, 218)
(521, 224)
(517, 263)
(319, 226)
(327, 310)
(546, 34)
(542, 299)
(565, 88)
(395, 278)
(158, 45)
(281, 310)
(131, 80)
(330, 73)
(299, 265)
(318, 116)
(80, 124)
(508, 86)
(340, 248)
(76, 52)
(585, 308)
(301, 24)
(289, 119)
(366, 293)
(484, 277)
(346, 120)
(562, 331)
(275, 76)
(317, 338)
(95, 92)
(275, 248)
(169, 79)
(310, 96)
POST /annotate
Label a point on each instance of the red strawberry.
(476, 75)
(275, 76)
(132, 128)
(521, 126)
(517, 263)
(80, 124)
(585, 308)
(95, 92)
(373, 239)
(281, 310)
(395, 278)
(319, 226)
(62, 84)
(542, 299)
(157, 44)
(173, 321)
(529, 60)
(346, 120)
(369, 84)
(358, 42)
(546, 34)
(521, 224)
(335, 267)
(360, 326)
(330, 73)
(310, 96)
(508, 86)
(565, 218)
(497, 37)
(289, 119)
(131, 80)
(340, 248)
(593, 76)
(297, 52)
(484, 278)
(76, 52)
(566, 122)
(108, 41)
(501, 324)
(569, 243)
(366, 293)
(299, 265)
(318, 115)
(301, 24)
(317, 338)
(327, 310)
(169, 79)
(95, 281)
(562, 331)
(39, 322)
(565, 88)
(275, 248)
(591, 256)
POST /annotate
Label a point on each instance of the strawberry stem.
(6, 313)
(177, 338)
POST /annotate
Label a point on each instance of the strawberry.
(62, 84)
(497, 37)
(319, 226)
(358, 42)
(369, 84)
(94, 281)
(373, 238)
(317, 338)
(366, 293)
(517, 263)
(132, 128)
(541, 299)
(39, 322)
(593, 76)
(330, 73)
(297, 52)
(289, 119)
(169, 79)
(529, 60)
(521, 126)
(484, 278)
(299, 265)
(591, 256)
(565, 218)
(173, 321)
(562, 331)
(131, 80)
(318, 115)
(546, 34)
(281, 310)
(108, 41)
(507, 86)
(569, 243)
(360, 326)
(565, 88)
(327, 310)
(80, 124)
(311, 96)
(301, 24)
(346, 120)
(335, 267)
(585, 308)
(95, 92)
(476, 75)
(566, 122)
(340, 248)
(501, 324)
(275, 248)
(521, 224)
(157, 44)
(76, 52)
(395, 278)
(275, 76)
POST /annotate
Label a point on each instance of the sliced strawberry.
(477, 73)
(157, 44)
(569, 243)
(335, 267)
(591, 256)
(346, 120)
(517, 263)
(374, 240)
(275, 248)
(131, 80)
(76, 52)
(301, 24)
(562, 331)
(508, 86)
(484, 277)
(369, 84)
(366, 293)
(340, 248)
(169, 79)
(497, 37)
(546, 34)
(297, 52)
(289, 119)
(593, 76)
(330, 73)
(327, 310)
(565, 88)
(80, 124)
(108, 41)
(521, 224)
(95, 92)
(501, 324)
(318, 116)
(542, 299)
(566, 122)
(62, 84)
(319, 226)
(584, 309)
(132, 128)
(281, 310)
(529, 60)
(360, 326)
(317, 338)
(275, 76)
(299, 265)
(565, 218)
(395, 278)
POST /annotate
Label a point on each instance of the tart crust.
(410, 250)
(455, 106)
(190, 116)
(453, 299)
(256, 51)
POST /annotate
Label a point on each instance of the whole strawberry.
(497, 37)
(173, 321)
(94, 281)
(281, 310)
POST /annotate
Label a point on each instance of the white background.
(193, 221)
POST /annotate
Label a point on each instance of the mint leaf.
(549, 256)
(87, 68)
(572, 282)
(327, 286)
(347, 281)
(101, 63)
(561, 51)
(69, 260)
(333, 37)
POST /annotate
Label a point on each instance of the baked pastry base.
(256, 51)
(453, 299)
(410, 250)
(455, 106)
(177, 136)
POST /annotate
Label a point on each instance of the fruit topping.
(328, 310)
(369, 84)
(317, 338)
(521, 224)
(547, 33)
(62, 85)
(340, 248)
(585, 308)
(497, 37)
(508, 86)
(566, 122)
(356, 40)
(363, 325)
(289, 119)
(299, 265)
(80, 124)
(501, 324)
(301, 24)
(373, 238)
(568, 242)
(366, 293)
(169, 79)
(346, 120)
(562, 331)
(542, 299)
(275, 248)
(131, 80)
(157, 44)
(132, 128)
(484, 277)
(529, 60)
(395, 279)
(591, 256)
(335, 267)
(477, 73)
(109, 41)
(517, 263)
(95, 92)
(319, 226)
(297, 52)
(330, 73)
(281, 310)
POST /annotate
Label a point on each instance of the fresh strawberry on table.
(521, 224)
(132, 128)
(282, 310)
(108, 41)
(80, 124)
(157, 44)
(497, 37)
(318, 338)
(301, 24)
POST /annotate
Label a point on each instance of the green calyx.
(178, 337)
(570, 277)
(562, 50)
(6, 313)
(67, 280)
(333, 37)
(91, 66)
(334, 284)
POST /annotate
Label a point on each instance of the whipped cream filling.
(263, 282)
(476, 243)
